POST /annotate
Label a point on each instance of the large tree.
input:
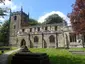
(4, 30)
(54, 18)
(4, 33)
(77, 16)
(33, 22)
(3, 10)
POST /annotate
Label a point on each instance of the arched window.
(15, 17)
(51, 39)
(46, 28)
(35, 39)
(72, 37)
(14, 26)
(23, 30)
(55, 28)
(84, 37)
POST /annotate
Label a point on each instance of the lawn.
(62, 56)
(58, 56)
(11, 48)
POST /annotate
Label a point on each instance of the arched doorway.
(23, 42)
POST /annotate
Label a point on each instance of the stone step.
(78, 52)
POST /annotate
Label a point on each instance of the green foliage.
(61, 56)
(54, 18)
(11, 48)
(4, 33)
(2, 12)
(33, 22)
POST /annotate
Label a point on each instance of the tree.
(54, 18)
(33, 22)
(77, 16)
(3, 1)
(3, 10)
(4, 33)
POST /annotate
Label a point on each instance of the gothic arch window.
(30, 29)
(46, 28)
(84, 37)
(14, 26)
(55, 28)
(72, 37)
(38, 28)
(15, 17)
(36, 39)
(51, 39)
(23, 30)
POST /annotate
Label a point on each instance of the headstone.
(30, 58)
(24, 49)
(24, 56)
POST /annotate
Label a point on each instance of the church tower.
(18, 20)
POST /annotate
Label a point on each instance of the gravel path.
(4, 57)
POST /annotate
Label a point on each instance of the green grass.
(58, 56)
(62, 56)
(11, 48)
(10, 57)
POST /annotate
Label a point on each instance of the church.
(57, 35)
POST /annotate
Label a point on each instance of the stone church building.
(57, 35)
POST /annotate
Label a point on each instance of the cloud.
(9, 4)
(42, 18)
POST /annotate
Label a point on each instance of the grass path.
(4, 57)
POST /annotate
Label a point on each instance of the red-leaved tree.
(77, 16)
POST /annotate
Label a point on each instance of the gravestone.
(24, 56)
(24, 49)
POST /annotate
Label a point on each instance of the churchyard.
(6, 49)
(59, 56)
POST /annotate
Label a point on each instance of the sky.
(40, 9)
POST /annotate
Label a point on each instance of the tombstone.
(24, 49)
(30, 58)
(24, 56)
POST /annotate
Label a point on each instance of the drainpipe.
(42, 40)
(56, 40)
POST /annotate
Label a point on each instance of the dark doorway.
(23, 42)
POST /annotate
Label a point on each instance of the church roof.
(19, 13)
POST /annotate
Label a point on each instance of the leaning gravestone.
(24, 56)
